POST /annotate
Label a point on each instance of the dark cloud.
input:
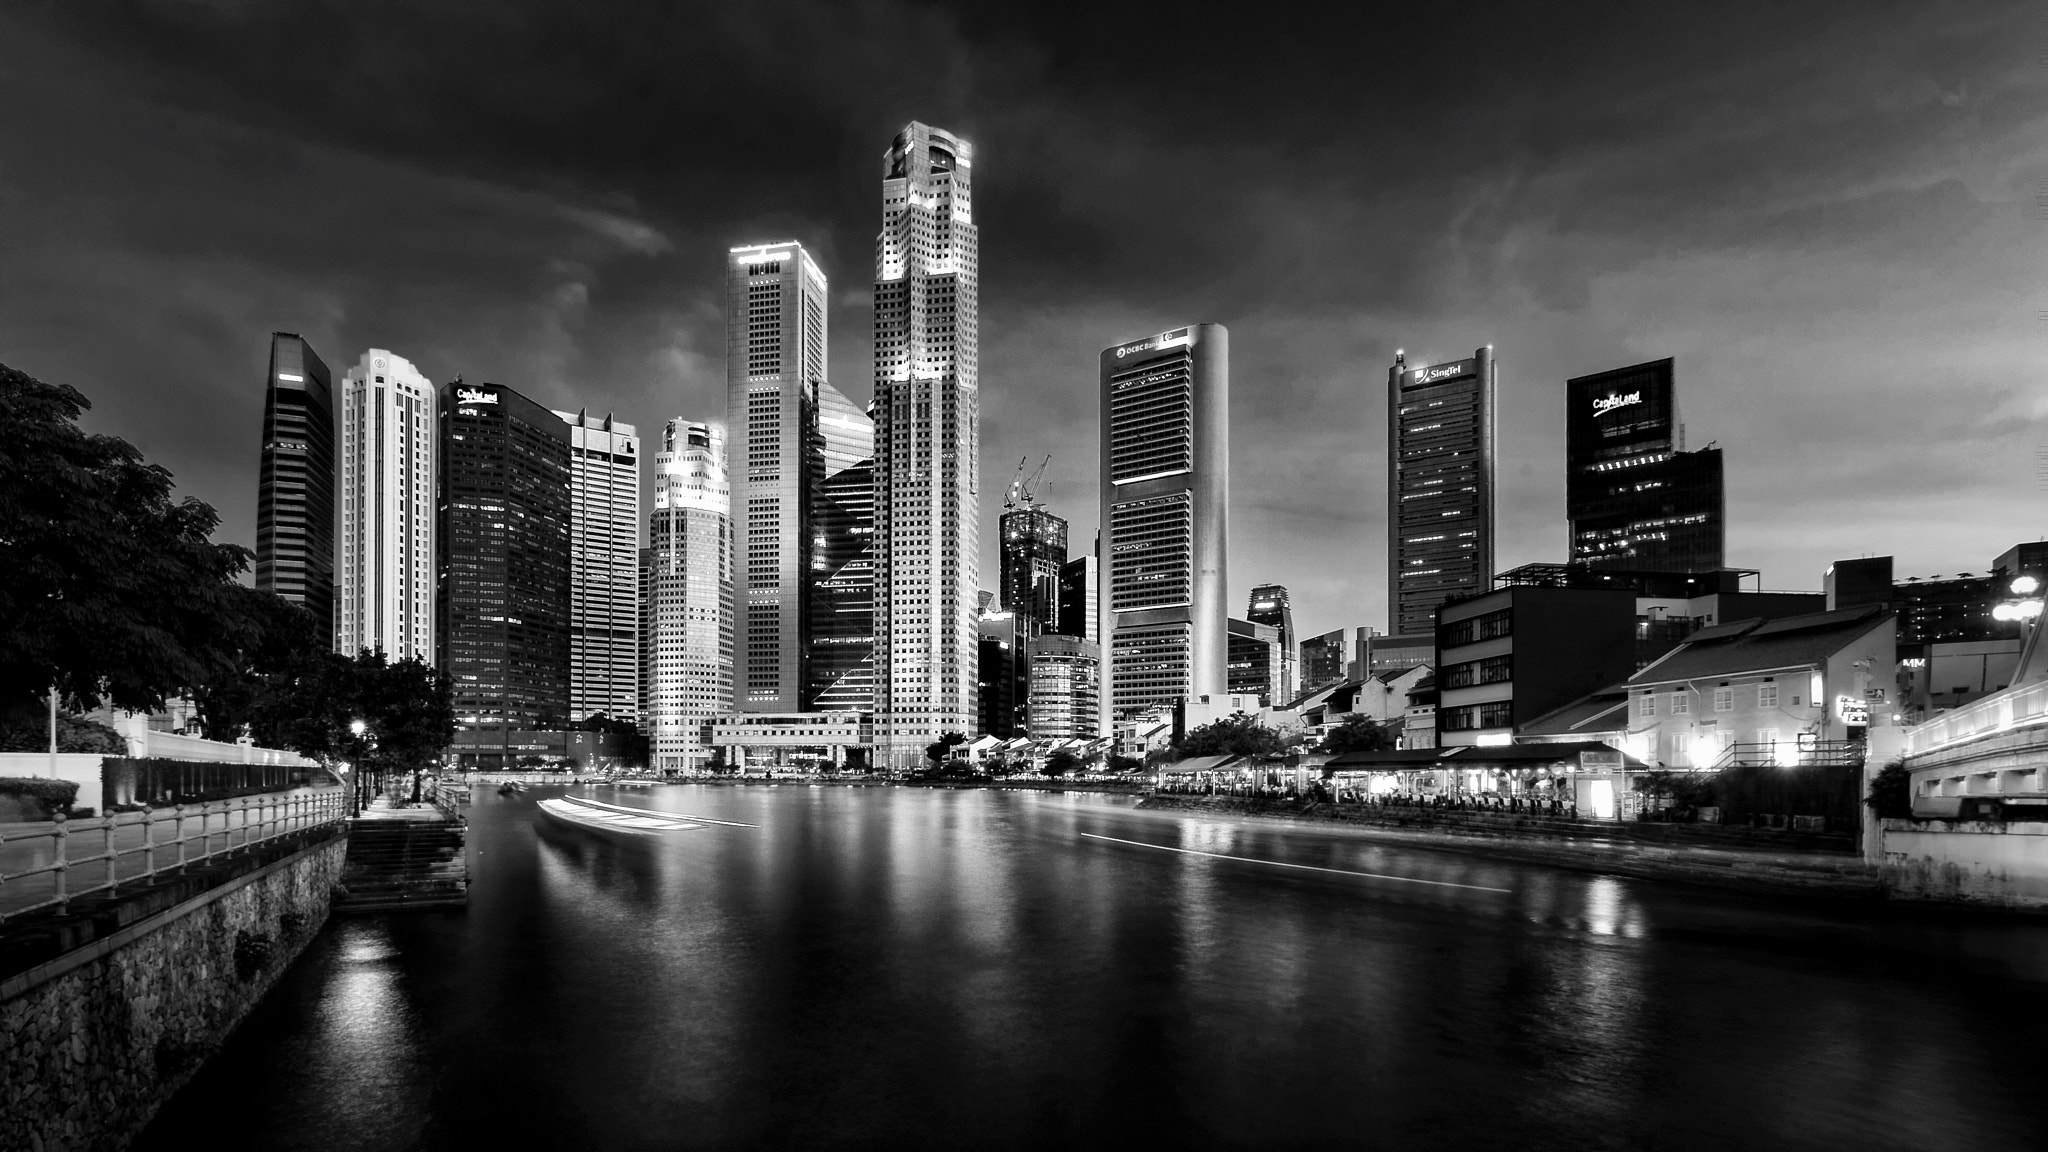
(1822, 210)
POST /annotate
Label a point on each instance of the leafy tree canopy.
(1238, 734)
(936, 750)
(113, 590)
(1062, 763)
(1358, 733)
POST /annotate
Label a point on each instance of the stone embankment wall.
(1724, 858)
(1990, 863)
(93, 1041)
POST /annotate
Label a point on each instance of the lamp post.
(357, 730)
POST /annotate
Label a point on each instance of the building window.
(1679, 705)
(1648, 706)
(1767, 695)
(1724, 699)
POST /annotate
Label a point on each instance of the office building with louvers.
(1165, 484)
(927, 445)
(386, 486)
(689, 610)
(1440, 496)
(1635, 498)
(604, 566)
(295, 481)
(1270, 606)
(504, 543)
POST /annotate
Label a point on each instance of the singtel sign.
(1439, 372)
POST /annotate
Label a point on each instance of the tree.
(1238, 734)
(113, 591)
(937, 750)
(287, 644)
(1117, 763)
(1062, 763)
(1358, 733)
(1891, 792)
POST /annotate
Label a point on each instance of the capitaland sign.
(1164, 340)
(1605, 404)
(475, 396)
(1437, 373)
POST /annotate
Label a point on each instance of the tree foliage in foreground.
(1238, 734)
(113, 589)
(1358, 733)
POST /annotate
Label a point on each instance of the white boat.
(595, 817)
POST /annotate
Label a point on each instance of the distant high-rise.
(775, 364)
(927, 445)
(839, 564)
(1635, 498)
(1255, 667)
(1165, 531)
(295, 481)
(1440, 450)
(1063, 687)
(1034, 550)
(1079, 598)
(1322, 660)
(604, 566)
(999, 674)
(386, 490)
(1270, 606)
(689, 643)
(504, 544)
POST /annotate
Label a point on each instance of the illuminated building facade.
(1270, 606)
(604, 567)
(295, 481)
(690, 593)
(1164, 519)
(503, 595)
(1064, 688)
(839, 561)
(927, 445)
(1636, 500)
(386, 485)
(1322, 660)
(1440, 453)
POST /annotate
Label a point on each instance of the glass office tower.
(1440, 457)
(1635, 498)
(295, 480)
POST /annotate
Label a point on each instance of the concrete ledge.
(42, 947)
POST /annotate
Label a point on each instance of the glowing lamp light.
(357, 727)
(2005, 612)
(2025, 586)
(2027, 609)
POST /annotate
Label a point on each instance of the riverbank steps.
(95, 1040)
(1738, 863)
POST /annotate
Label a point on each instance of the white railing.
(37, 860)
(1998, 712)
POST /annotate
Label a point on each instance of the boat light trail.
(1303, 867)
(659, 812)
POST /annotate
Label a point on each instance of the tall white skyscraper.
(385, 495)
(774, 366)
(927, 445)
(604, 566)
(689, 611)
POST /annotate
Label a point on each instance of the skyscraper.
(1636, 499)
(1079, 598)
(927, 454)
(775, 352)
(1322, 660)
(504, 546)
(1034, 550)
(839, 564)
(295, 481)
(1065, 682)
(1269, 605)
(386, 486)
(604, 566)
(689, 648)
(1165, 529)
(1439, 485)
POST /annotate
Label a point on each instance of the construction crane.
(1019, 493)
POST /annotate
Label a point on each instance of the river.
(908, 967)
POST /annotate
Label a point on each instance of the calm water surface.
(916, 968)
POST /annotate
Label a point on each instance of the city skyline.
(1887, 243)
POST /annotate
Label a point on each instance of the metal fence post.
(178, 830)
(148, 841)
(113, 859)
(59, 861)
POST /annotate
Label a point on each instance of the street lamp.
(2026, 606)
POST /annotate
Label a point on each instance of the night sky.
(1835, 216)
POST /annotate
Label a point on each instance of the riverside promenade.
(1755, 860)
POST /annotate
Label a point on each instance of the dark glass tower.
(1635, 498)
(1439, 486)
(839, 580)
(1034, 549)
(503, 593)
(1269, 606)
(295, 484)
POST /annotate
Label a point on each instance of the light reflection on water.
(939, 968)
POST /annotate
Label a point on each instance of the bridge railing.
(50, 863)
(1994, 713)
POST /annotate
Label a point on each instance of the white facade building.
(385, 494)
(927, 446)
(689, 579)
(604, 566)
